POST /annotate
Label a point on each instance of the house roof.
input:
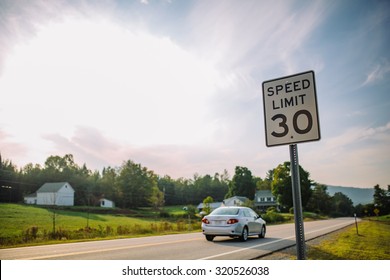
(31, 195)
(263, 193)
(213, 205)
(105, 199)
(53, 187)
(241, 198)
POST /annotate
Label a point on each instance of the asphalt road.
(177, 247)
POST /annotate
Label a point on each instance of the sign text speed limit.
(290, 110)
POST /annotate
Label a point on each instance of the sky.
(177, 85)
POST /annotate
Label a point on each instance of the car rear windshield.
(225, 211)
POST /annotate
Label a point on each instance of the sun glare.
(132, 85)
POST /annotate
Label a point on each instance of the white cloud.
(136, 86)
(358, 157)
(354, 137)
(256, 35)
(10, 149)
(377, 73)
(376, 132)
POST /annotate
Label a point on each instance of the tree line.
(132, 185)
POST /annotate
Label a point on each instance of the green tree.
(201, 186)
(108, 186)
(9, 181)
(382, 199)
(266, 183)
(184, 191)
(60, 168)
(219, 186)
(320, 201)
(207, 185)
(342, 205)
(137, 184)
(157, 197)
(167, 185)
(263, 185)
(206, 204)
(282, 185)
(31, 178)
(242, 184)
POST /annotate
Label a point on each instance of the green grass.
(372, 243)
(175, 210)
(23, 224)
(278, 218)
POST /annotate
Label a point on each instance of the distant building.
(58, 193)
(103, 202)
(30, 198)
(264, 199)
(235, 201)
(213, 206)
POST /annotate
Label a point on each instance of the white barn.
(106, 203)
(59, 193)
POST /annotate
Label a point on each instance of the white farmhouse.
(265, 199)
(59, 193)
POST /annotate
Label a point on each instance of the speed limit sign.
(290, 110)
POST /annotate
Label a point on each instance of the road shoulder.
(290, 253)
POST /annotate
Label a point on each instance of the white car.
(234, 222)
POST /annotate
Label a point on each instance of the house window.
(269, 199)
(262, 199)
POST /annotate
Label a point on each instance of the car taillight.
(232, 221)
(204, 220)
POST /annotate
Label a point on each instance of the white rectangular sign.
(290, 110)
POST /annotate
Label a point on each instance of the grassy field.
(372, 242)
(22, 224)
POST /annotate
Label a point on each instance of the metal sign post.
(296, 193)
(291, 117)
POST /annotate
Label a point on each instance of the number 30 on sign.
(290, 110)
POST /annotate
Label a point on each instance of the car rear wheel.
(262, 232)
(210, 237)
(244, 235)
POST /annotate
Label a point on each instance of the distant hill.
(357, 195)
